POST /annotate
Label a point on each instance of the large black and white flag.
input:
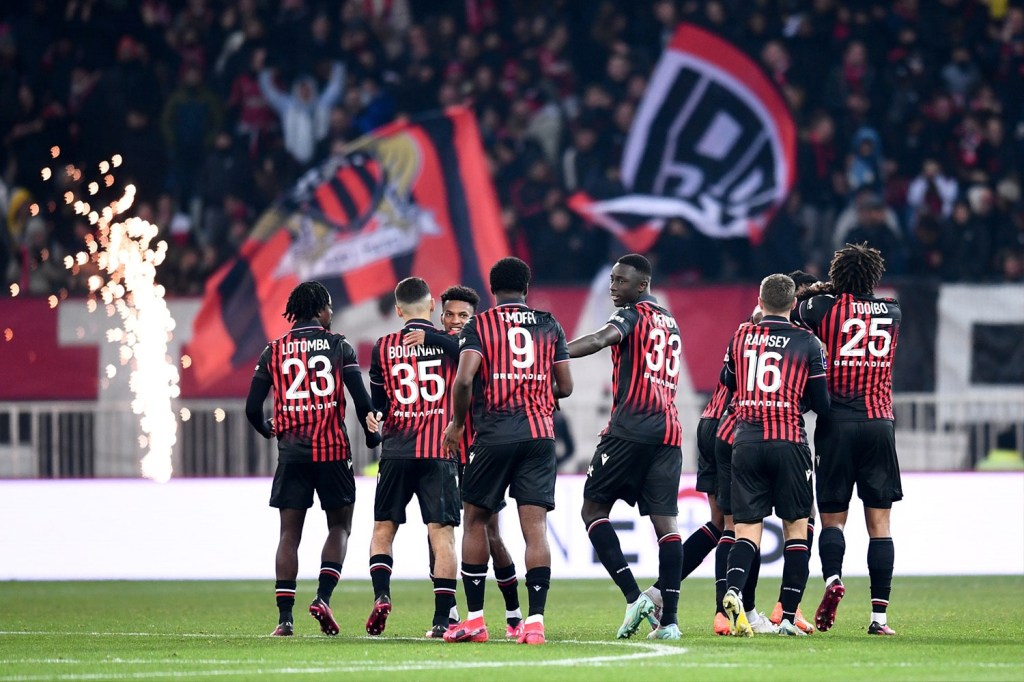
(712, 142)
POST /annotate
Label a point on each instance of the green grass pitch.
(956, 628)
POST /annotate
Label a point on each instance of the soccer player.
(408, 386)
(513, 366)
(639, 458)
(856, 444)
(306, 368)
(458, 305)
(773, 367)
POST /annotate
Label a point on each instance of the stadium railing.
(85, 440)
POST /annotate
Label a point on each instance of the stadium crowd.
(910, 118)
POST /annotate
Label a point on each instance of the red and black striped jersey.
(512, 395)
(719, 401)
(415, 382)
(645, 374)
(727, 425)
(859, 333)
(772, 362)
(305, 367)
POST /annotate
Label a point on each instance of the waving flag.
(411, 198)
(712, 142)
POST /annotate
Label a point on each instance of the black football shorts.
(642, 474)
(526, 469)
(294, 483)
(861, 453)
(772, 474)
(432, 481)
(723, 461)
(707, 466)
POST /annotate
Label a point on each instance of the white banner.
(223, 529)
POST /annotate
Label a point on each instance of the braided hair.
(856, 269)
(306, 301)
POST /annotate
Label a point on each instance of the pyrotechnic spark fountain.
(126, 284)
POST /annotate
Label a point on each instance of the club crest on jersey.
(604, 458)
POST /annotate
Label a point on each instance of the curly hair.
(306, 301)
(856, 269)
(461, 293)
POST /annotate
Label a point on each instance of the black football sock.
(380, 574)
(509, 586)
(330, 574)
(795, 569)
(831, 548)
(474, 580)
(538, 581)
(285, 591)
(444, 599)
(810, 535)
(750, 587)
(881, 556)
(606, 546)
(698, 546)
(741, 556)
(671, 555)
(722, 566)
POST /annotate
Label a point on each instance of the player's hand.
(271, 429)
(414, 338)
(373, 420)
(451, 442)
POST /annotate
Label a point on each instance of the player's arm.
(618, 327)
(728, 374)
(448, 343)
(816, 394)
(259, 389)
(562, 385)
(378, 392)
(353, 378)
(470, 359)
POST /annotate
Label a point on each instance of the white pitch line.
(647, 651)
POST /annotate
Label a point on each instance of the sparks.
(126, 285)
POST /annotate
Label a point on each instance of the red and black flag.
(712, 142)
(410, 198)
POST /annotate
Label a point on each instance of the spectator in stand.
(970, 246)
(304, 113)
(931, 193)
(254, 119)
(865, 163)
(191, 118)
(871, 228)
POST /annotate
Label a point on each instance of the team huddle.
(464, 417)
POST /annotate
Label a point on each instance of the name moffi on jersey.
(416, 381)
(772, 361)
(305, 368)
(645, 374)
(512, 394)
(859, 333)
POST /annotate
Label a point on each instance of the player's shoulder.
(819, 301)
